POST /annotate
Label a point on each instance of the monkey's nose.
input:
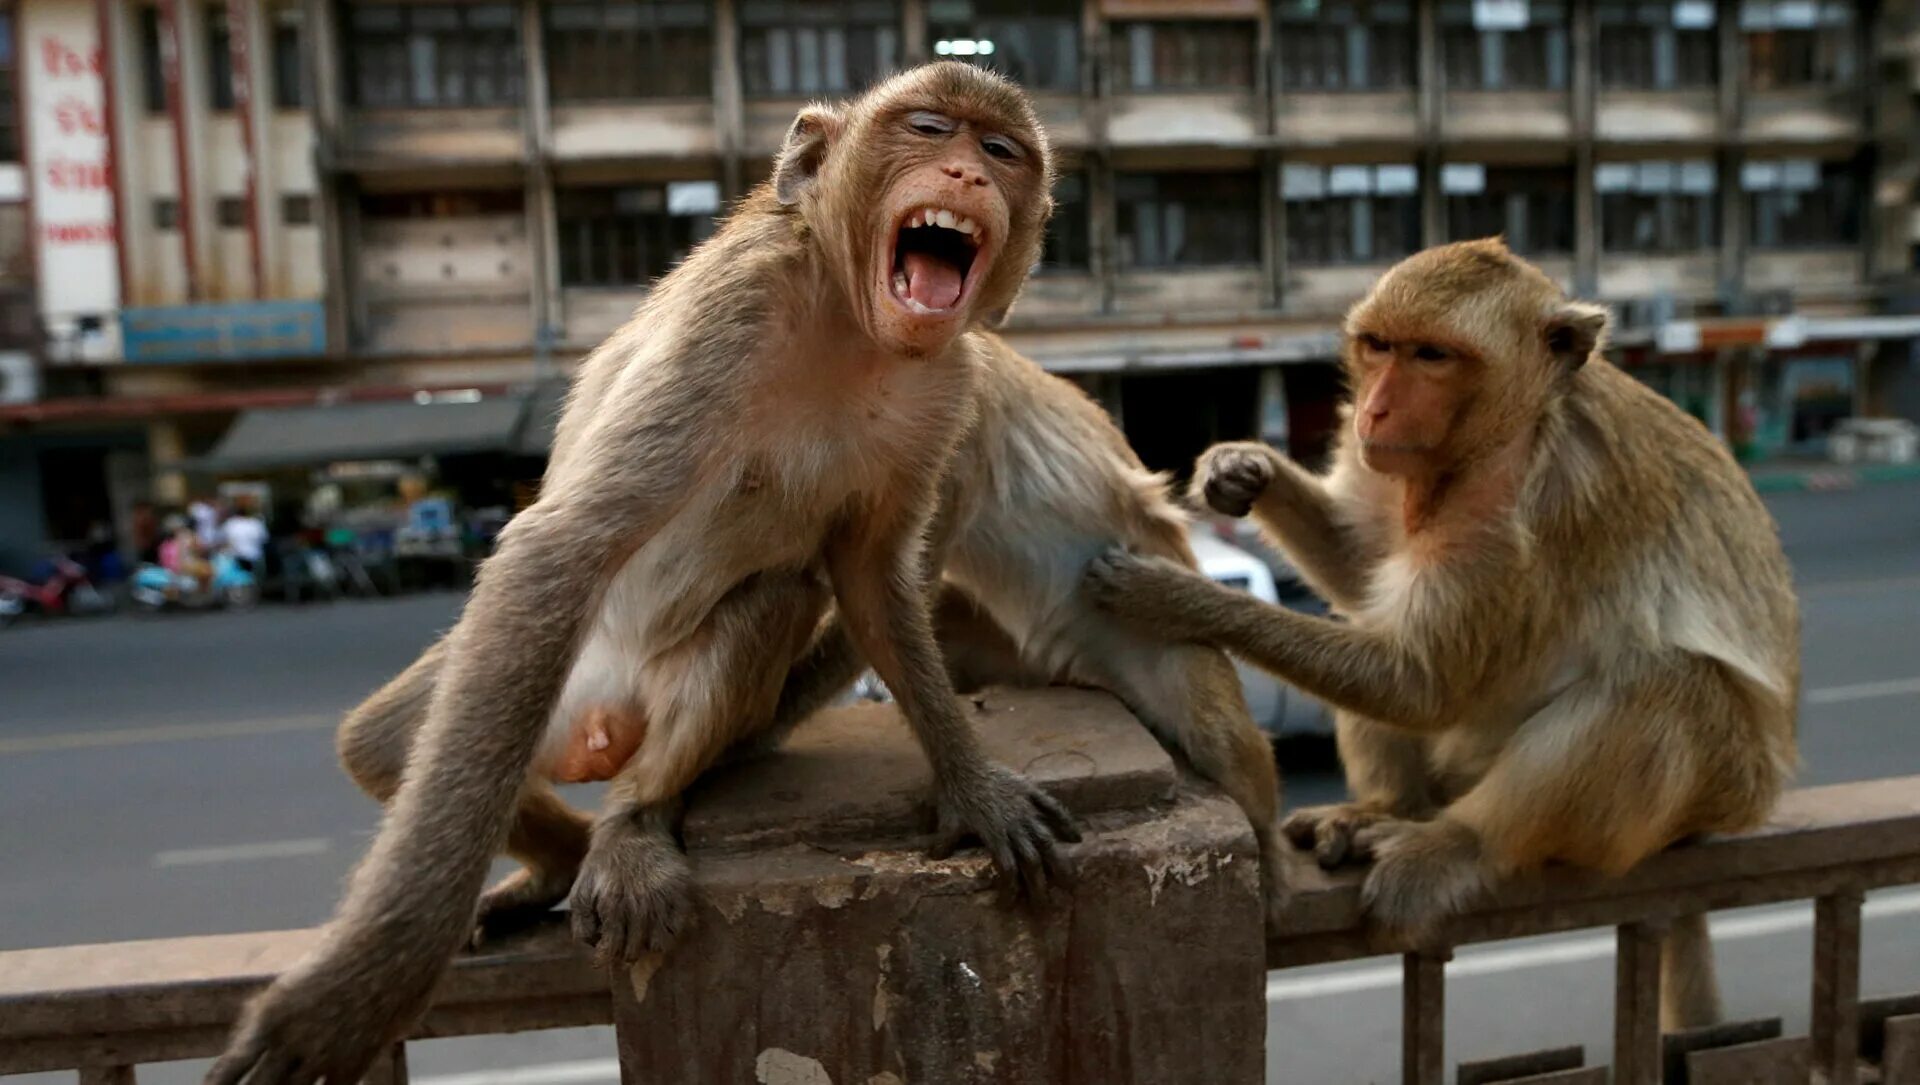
(964, 175)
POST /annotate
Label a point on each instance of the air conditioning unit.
(19, 377)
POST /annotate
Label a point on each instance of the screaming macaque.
(765, 437)
(1570, 634)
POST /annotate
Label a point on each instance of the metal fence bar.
(1900, 1057)
(1423, 1018)
(1836, 987)
(1636, 1005)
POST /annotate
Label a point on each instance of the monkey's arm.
(880, 576)
(1355, 668)
(411, 901)
(1294, 507)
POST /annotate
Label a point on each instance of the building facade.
(249, 205)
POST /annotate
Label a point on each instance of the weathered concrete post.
(831, 951)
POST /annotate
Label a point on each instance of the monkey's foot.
(1231, 477)
(1329, 831)
(517, 901)
(634, 894)
(1423, 872)
(1021, 826)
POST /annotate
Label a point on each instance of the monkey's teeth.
(945, 220)
(900, 285)
(965, 226)
(913, 220)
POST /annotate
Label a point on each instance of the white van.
(1276, 706)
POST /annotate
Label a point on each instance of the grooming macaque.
(766, 436)
(1570, 633)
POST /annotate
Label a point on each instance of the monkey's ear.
(805, 148)
(1575, 331)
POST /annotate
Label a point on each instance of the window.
(455, 204)
(1068, 242)
(1504, 44)
(1036, 45)
(797, 48)
(219, 59)
(1657, 46)
(1188, 219)
(153, 80)
(289, 72)
(403, 56)
(1658, 207)
(1801, 203)
(231, 212)
(1350, 214)
(1799, 43)
(9, 107)
(1346, 44)
(1183, 56)
(623, 50)
(166, 213)
(1531, 206)
(296, 210)
(632, 234)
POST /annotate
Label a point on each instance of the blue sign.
(228, 332)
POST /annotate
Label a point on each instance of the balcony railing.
(822, 942)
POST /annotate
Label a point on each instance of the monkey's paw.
(1151, 592)
(1232, 477)
(1329, 831)
(330, 1018)
(634, 894)
(1423, 872)
(1021, 826)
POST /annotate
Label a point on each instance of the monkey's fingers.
(1333, 843)
(1058, 818)
(1031, 881)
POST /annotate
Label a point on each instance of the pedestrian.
(245, 536)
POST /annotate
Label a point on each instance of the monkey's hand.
(1231, 477)
(326, 1018)
(1155, 594)
(1021, 826)
(634, 894)
(1335, 833)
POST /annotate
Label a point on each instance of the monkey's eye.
(1427, 352)
(1374, 344)
(1001, 147)
(930, 124)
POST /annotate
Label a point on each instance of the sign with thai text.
(61, 60)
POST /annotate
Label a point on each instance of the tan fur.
(1569, 631)
(770, 428)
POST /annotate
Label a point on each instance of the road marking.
(1580, 950)
(184, 732)
(1860, 587)
(551, 1073)
(1863, 691)
(243, 853)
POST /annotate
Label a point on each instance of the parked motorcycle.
(65, 587)
(155, 587)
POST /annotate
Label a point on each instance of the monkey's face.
(1408, 396)
(942, 182)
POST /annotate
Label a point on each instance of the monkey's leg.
(1387, 775)
(547, 836)
(1689, 987)
(725, 683)
(1600, 778)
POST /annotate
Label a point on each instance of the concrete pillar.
(729, 106)
(165, 450)
(183, 49)
(1103, 241)
(546, 303)
(913, 31)
(1732, 82)
(1584, 87)
(321, 58)
(250, 30)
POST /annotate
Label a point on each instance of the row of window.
(231, 212)
(1334, 214)
(468, 55)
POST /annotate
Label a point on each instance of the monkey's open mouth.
(933, 253)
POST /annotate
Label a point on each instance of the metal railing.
(104, 1009)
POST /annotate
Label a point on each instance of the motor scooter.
(155, 587)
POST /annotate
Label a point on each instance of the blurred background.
(289, 292)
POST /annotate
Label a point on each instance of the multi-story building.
(256, 205)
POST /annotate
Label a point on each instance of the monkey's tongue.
(931, 281)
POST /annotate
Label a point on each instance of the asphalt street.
(175, 776)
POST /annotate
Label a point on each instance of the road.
(175, 776)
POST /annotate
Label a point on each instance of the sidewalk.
(1782, 477)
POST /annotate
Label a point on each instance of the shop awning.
(401, 429)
